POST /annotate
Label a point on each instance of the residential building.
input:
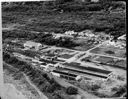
(32, 45)
(94, 0)
(70, 32)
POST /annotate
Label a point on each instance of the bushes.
(95, 87)
(40, 79)
(6, 56)
(12, 60)
(119, 90)
(72, 90)
(109, 52)
(120, 77)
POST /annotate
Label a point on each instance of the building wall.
(94, 0)
(83, 0)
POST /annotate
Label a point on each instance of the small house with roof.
(32, 45)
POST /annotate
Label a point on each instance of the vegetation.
(74, 16)
(60, 16)
(72, 90)
(41, 80)
(41, 37)
(119, 90)
(109, 52)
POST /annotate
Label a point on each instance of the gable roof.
(30, 43)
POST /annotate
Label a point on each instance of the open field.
(112, 61)
(115, 62)
(110, 50)
(12, 92)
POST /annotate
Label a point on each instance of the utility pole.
(1, 59)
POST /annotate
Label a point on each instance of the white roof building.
(55, 74)
(123, 37)
(81, 34)
(70, 32)
(94, 0)
(79, 77)
(87, 33)
(30, 44)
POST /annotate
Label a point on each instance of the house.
(88, 33)
(70, 32)
(49, 67)
(55, 74)
(94, 0)
(32, 45)
(81, 34)
(82, 0)
(78, 78)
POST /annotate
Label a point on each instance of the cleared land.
(110, 50)
(115, 62)
(17, 79)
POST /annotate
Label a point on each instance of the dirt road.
(42, 96)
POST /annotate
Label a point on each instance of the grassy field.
(105, 60)
(110, 50)
(112, 61)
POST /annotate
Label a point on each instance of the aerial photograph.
(64, 49)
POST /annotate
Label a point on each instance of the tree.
(12, 60)
(6, 56)
(119, 90)
(110, 52)
(71, 90)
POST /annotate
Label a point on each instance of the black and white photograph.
(63, 49)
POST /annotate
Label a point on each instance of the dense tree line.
(71, 6)
(41, 37)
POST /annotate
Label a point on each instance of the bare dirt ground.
(12, 93)
(23, 85)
